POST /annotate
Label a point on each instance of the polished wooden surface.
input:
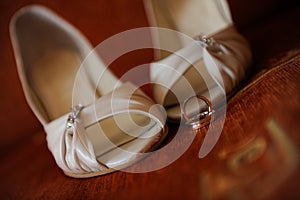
(256, 157)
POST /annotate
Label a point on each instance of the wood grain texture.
(257, 155)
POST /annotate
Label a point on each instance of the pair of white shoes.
(111, 123)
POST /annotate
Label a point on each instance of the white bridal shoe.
(211, 64)
(110, 125)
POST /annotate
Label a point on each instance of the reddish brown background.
(272, 27)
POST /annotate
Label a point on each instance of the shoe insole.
(191, 17)
(194, 17)
(53, 77)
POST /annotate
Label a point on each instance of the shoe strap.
(226, 66)
(69, 143)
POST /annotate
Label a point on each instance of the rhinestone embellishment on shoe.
(75, 111)
(209, 43)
